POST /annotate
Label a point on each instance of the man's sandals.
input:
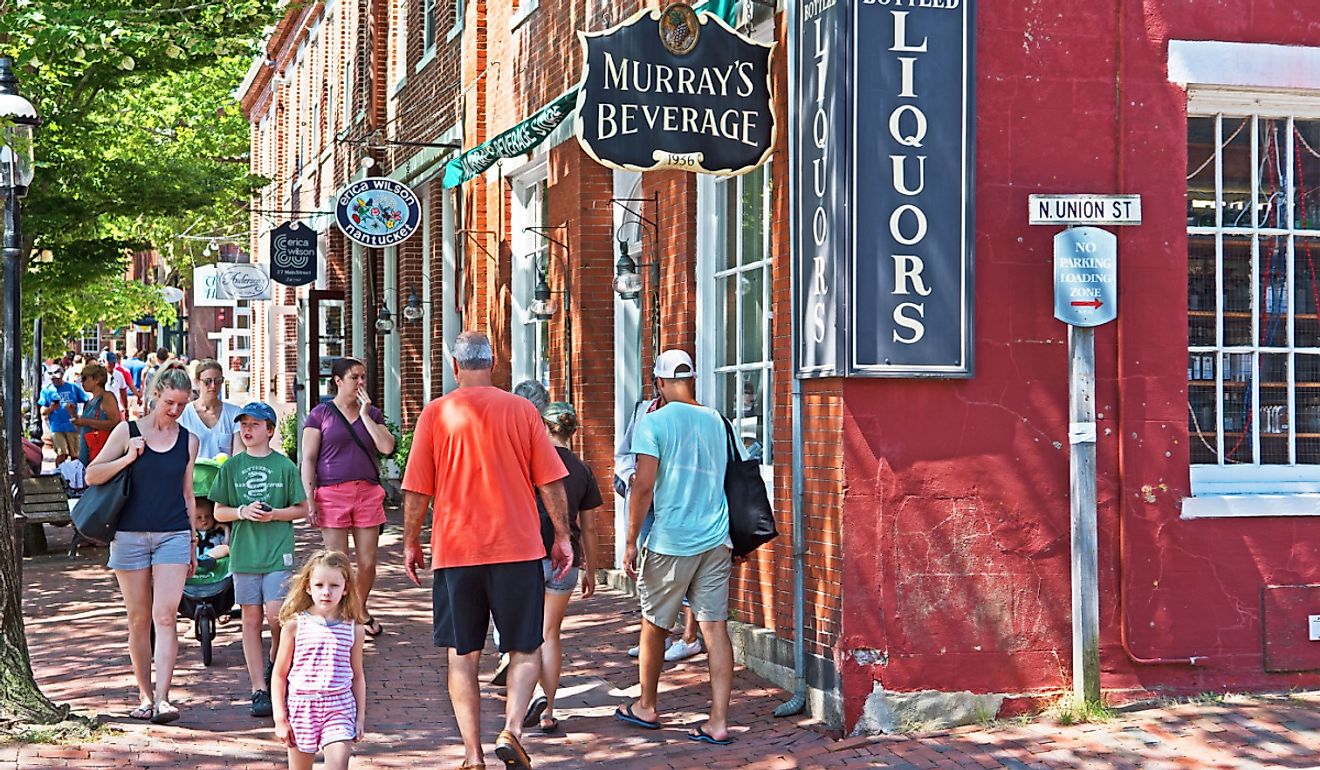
(511, 752)
(372, 628)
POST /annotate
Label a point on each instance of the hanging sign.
(883, 191)
(1085, 276)
(675, 88)
(223, 283)
(293, 254)
(378, 212)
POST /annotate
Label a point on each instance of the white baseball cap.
(669, 365)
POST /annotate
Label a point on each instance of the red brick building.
(934, 512)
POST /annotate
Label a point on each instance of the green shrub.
(289, 436)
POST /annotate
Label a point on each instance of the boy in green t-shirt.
(260, 491)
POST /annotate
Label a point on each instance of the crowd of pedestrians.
(512, 538)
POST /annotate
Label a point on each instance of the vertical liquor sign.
(884, 151)
(820, 137)
(913, 195)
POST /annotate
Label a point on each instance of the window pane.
(726, 389)
(1273, 299)
(1306, 294)
(1273, 410)
(1308, 409)
(1203, 417)
(751, 284)
(1237, 407)
(1237, 172)
(1200, 172)
(726, 231)
(1274, 174)
(727, 340)
(753, 217)
(1201, 289)
(1237, 291)
(750, 427)
(1306, 196)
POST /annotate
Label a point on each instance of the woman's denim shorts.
(140, 550)
(564, 585)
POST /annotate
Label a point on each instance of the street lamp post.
(17, 120)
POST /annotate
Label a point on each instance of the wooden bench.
(44, 502)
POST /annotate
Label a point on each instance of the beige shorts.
(65, 443)
(664, 581)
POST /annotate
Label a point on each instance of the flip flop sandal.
(511, 752)
(625, 714)
(552, 727)
(701, 736)
(534, 711)
(164, 716)
(372, 628)
(143, 712)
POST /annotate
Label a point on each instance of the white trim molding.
(1244, 65)
(1249, 506)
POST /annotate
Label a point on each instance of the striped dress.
(321, 707)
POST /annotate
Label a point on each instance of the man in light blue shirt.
(682, 449)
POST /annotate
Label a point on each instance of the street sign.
(1085, 209)
(1085, 276)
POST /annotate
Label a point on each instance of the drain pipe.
(798, 703)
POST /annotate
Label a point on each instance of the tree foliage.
(141, 140)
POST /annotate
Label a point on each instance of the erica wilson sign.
(883, 194)
(671, 88)
(378, 212)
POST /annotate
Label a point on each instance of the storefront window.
(1253, 299)
(530, 337)
(742, 360)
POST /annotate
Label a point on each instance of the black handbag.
(751, 519)
(96, 515)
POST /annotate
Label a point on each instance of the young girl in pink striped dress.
(318, 690)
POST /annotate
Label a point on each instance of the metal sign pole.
(1085, 579)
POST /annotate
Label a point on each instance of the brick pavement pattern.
(77, 636)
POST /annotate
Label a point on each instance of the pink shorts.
(319, 720)
(350, 505)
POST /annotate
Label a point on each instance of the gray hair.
(535, 392)
(472, 351)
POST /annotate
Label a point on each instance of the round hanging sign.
(378, 212)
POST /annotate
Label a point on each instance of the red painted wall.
(956, 539)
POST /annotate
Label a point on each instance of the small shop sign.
(293, 254)
(1085, 276)
(676, 88)
(378, 212)
(222, 284)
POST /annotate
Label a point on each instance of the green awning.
(525, 136)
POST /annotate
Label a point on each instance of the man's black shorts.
(463, 599)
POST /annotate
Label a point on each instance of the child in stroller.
(209, 593)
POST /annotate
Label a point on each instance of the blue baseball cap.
(258, 410)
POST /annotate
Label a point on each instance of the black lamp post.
(18, 118)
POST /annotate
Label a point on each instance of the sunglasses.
(211, 380)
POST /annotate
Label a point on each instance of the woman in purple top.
(341, 439)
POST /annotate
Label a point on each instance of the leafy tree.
(141, 141)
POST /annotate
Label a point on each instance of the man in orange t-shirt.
(478, 452)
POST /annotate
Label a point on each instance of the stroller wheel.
(204, 628)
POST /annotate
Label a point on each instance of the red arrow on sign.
(1095, 303)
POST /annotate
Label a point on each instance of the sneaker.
(636, 650)
(261, 705)
(680, 650)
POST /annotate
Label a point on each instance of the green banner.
(524, 137)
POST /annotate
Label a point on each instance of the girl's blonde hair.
(298, 598)
(173, 375)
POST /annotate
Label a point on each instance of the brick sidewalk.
(77, 637)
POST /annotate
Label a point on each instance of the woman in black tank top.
(153, 551)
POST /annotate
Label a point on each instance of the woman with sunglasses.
(210, 419)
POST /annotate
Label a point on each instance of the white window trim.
(522, 277)
(426, 59)
(1270, 81)
(460, 11)
(525, 8)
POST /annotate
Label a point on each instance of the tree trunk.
(21, 700)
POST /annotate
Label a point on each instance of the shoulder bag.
(375, 466)
(95, 438)
(751, 519)
(96, 515)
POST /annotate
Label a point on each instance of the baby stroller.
(209, 593)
